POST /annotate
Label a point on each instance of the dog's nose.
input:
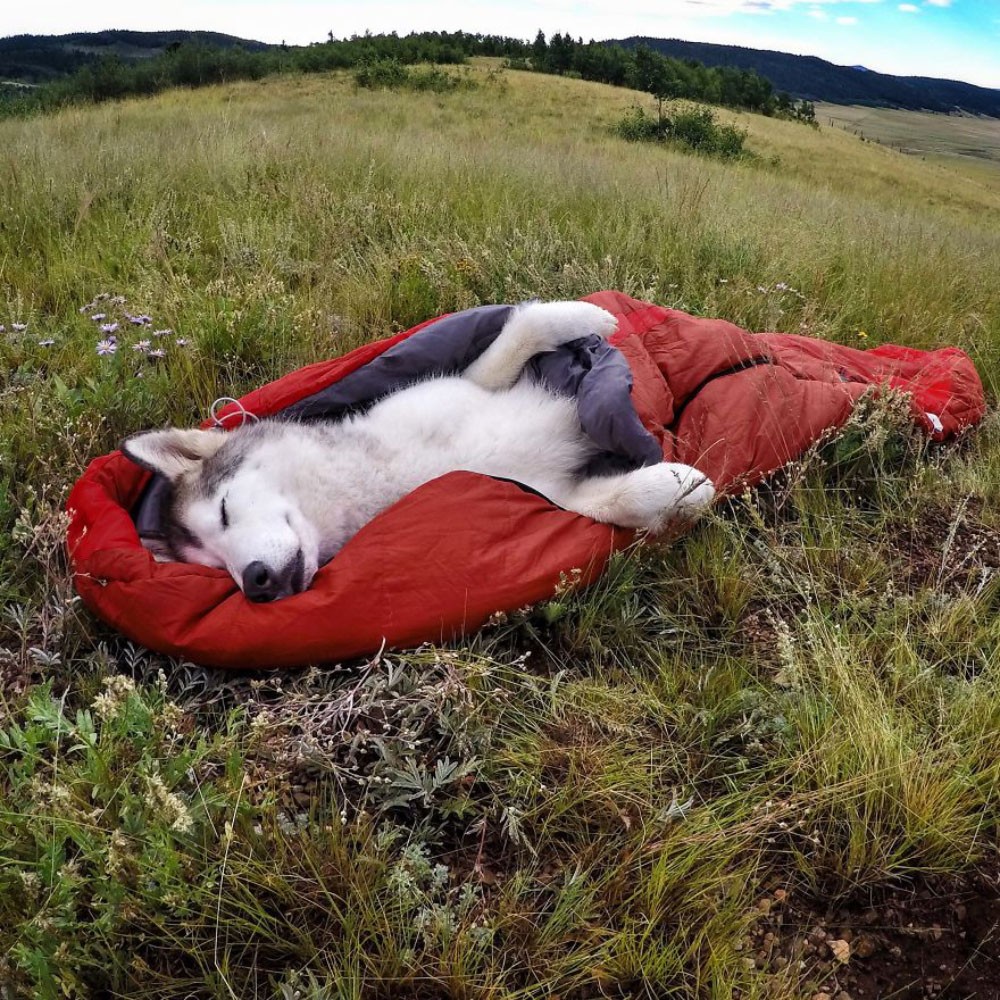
(259, 583)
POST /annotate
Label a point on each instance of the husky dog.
(273, 501)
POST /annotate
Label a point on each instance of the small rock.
(821, 996)
(843, 995)
(780, 896)
(764, 906)
(841, 951)
(960, 911)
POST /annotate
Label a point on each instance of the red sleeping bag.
(443, 559)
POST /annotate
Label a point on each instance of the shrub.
(381, 74)
(390, 74)
(693, 127)
(437, 80)
(637, 126)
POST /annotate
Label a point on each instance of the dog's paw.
(551, 324)
(668, 494)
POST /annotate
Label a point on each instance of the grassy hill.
(760, 762)
(815, 79)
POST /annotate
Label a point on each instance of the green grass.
(588, 797)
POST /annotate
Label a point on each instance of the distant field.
(920, 133)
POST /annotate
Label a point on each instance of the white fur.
(302, 491)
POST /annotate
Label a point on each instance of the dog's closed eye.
(225, 516)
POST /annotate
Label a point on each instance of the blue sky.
(956, 39)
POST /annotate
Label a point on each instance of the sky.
(953, 39)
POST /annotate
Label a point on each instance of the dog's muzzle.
(262, 584)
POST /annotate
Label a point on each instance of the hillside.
(814, 79)
(760, 761)
(39, 58)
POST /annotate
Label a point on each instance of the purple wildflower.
(97, 317)
(3, 329)
(109, 327)
(781, 287)
(158, 353)
(141, 345)
(117, 300)
(140, 320)
(45, 343)
(107, 347)
(19, 327)
(181, 342)
(162, 333)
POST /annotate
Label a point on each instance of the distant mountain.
(814, 79)
(40, 58)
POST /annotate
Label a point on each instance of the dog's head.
(232, 507)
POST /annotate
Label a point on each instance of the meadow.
(761, 762)
(941, 137)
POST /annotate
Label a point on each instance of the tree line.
(195, 64)
(665, 78)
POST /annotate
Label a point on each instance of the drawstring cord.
(241, 411)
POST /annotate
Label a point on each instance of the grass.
(591, 797)
(943, 138)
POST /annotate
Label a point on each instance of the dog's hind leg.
(650, 497)
(533, 329)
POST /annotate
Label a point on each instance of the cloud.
(938, 3)
(726, 8)
(909, 8)
(847, 20)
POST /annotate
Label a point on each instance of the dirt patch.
(947, 548)
(935, 940)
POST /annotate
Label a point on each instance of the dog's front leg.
(651, 497)
(533, 329)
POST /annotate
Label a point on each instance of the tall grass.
(591, 795)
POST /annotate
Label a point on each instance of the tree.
(561, 53)
(539, 52)
(653, 74)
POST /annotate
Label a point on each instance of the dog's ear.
(172, 452)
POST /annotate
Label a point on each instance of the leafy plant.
(692, 127)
